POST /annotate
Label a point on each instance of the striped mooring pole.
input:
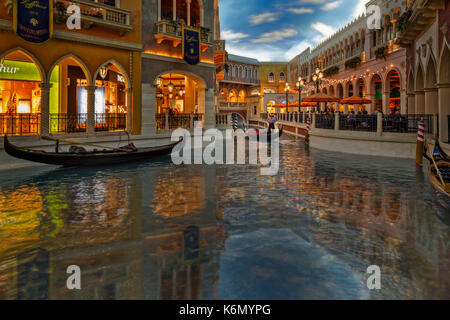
(420, 143)
(308, 129)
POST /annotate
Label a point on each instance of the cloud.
(331, 5)
(297, 49)
(260, 53)
(276, 35)
(231, 35)
(300, 10)
(256, 19)
(312, 1)
(360, 8)
(324, 29)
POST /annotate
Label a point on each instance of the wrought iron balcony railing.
(96, 13)
(172, 31)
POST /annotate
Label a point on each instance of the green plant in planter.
(403, 20)
(352, 63)
(381, 52)
(60, 14)
(331, 71)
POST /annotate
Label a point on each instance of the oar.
(84, 144)
(435, 164)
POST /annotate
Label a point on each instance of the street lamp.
(286, 89)
(300, 84)
(317, 78)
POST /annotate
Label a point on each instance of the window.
(271, 77)
(282, 77)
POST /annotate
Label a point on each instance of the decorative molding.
(146, 55)
(99, 41)
(6, 25)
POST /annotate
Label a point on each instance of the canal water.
(160, 231)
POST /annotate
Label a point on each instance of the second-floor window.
(282, 77)
(183, 11)
(271, 77)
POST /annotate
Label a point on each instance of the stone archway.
(431, 90)
(419, 91)
(444, 92)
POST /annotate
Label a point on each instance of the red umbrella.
(355, 100)
(320, 97)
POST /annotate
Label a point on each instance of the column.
(129, 108)
(370, 107)
(45, 108)
(345, 108)
(411, 103)
(174, 10)
(337, 121)
(431, 101)
(444, 111)
(91, 109)
(386, 100)
(403, 102)
(420, 102)
(188, 3)
(209, 109)
(148, 109)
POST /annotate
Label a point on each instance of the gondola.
(81, 158)
(439, 169)
(265, 132)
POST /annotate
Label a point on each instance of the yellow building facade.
(82, 81)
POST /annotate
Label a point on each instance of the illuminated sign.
(6, 69)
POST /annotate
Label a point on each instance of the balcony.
(416, 19)
(172, 31)
(96, 13)
(241, 80)
(232, 105)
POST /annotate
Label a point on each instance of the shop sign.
(18, 70)
(33, 20)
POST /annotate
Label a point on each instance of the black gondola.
(88, 159)
(439, 169)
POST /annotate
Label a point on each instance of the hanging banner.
(33, 19)
(191, 45)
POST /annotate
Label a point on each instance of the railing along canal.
(21, 124)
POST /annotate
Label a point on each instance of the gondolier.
(271, 121)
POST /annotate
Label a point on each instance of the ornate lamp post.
(286, 89)
(317, 78)
(300, 84)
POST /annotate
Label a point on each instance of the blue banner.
(34, 20)
(191, 45)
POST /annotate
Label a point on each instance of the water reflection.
(156, 231)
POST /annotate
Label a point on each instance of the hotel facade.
(401, 67)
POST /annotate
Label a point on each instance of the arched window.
(271, 77)
(282, 77)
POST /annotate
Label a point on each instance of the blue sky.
(277, 30)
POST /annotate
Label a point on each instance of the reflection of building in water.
(19, 217)
(174, 269)
(415, 242)
(97, 225)
(177, 195)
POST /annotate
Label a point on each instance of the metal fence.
(68, 123)
(408, 123)
(352, 122)
(110, 122)
(448, 127)
(325, 121)
(21, 124)
(172, 122)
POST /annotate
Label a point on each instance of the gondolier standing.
(271, 120)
